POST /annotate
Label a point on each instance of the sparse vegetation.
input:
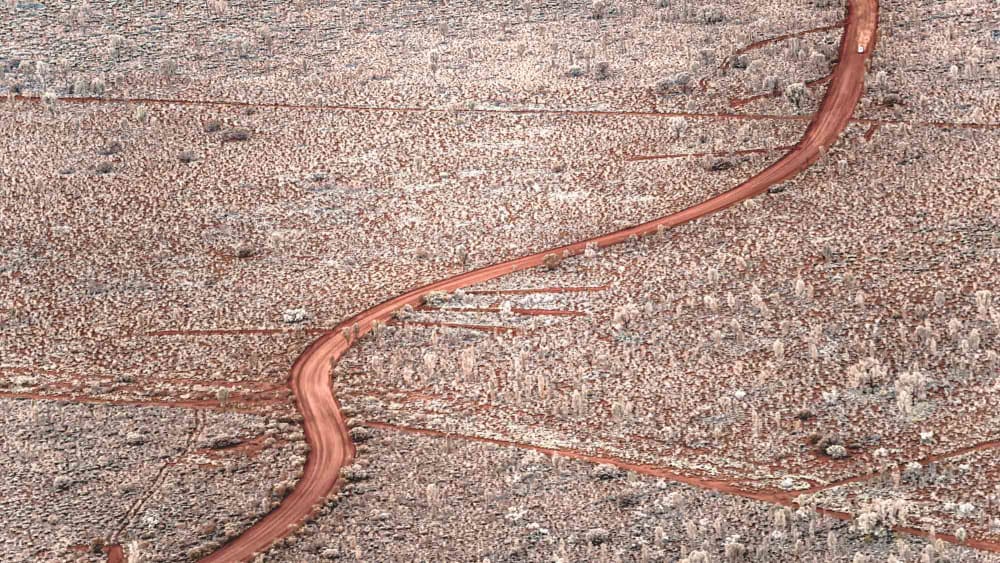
(235, 135)
(250, 179)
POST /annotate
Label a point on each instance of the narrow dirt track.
(527, 291)
(410, 109)
(737, 103)
(325, 428)
(778, 38)
(514, 310)
(501, 111)
(641, 468)
(785, 498)
(740, 152)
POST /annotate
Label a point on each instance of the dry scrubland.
(683, 353)
(635, 55)
(959, 491)
(165, 263)
(250, 236)
(163, 481)
(936, 62)
(479, 502)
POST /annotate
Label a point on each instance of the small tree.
(49, 100)
(712, 14)
(779, 350)
(797, 94)
(771, 84)
(168, 68)
(678, 125)
(218, 7)
(235, 135)
(598, 9)
(602, 70)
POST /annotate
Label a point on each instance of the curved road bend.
(325, 428)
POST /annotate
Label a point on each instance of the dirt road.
(325, 429)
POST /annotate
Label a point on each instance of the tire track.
(161, 475)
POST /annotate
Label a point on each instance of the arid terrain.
(648, 280)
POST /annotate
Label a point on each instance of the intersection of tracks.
(325, 428)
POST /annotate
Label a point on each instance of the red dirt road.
(325, 428)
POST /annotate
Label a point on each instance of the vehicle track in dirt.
(738, 152)
(405, 109)
(212, 405)
(324, 425)
(779, 38)
(737, 103)
(197, 426)
(501, 111)
(783, 498)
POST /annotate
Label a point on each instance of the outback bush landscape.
(572, 280)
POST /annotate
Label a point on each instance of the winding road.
(324, 425)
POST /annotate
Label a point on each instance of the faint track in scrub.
(513, 310)
(528, 291)
(236, 331)
(161, 475)
(764, 42)
(502, 111)
(736, 103)
(642, 468)
(409, 109)
(789, 498)
(740, 152)
(204, 404)
(494, 329)
(324, 424)
(924, 461)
